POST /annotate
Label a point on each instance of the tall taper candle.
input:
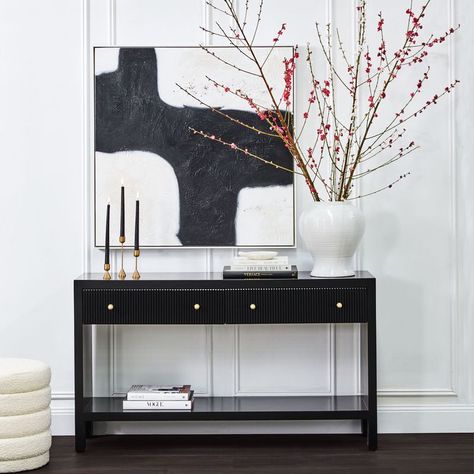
(137, 218)
(122, 212)
(107, 234)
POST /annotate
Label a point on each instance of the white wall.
(417, 241)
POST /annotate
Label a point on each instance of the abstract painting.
(194, 192)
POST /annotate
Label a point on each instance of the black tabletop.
(203, 276)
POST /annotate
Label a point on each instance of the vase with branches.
(350, 142)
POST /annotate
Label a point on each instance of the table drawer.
(297, 305)
(153, 306)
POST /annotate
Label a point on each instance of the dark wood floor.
(336, 454)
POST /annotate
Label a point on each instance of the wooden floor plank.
(278, 454)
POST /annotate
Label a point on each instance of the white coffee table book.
(159, 397)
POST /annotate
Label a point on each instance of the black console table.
(200, 298)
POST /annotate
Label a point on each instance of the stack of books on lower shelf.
(275, 267)
(156, 397)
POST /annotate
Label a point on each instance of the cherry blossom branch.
(353, 118)
(346, 142)
(389, 186)
(404, 151)
(209, 4)
(410, 35)
(227, 63)
(257, 24)
(245, 151)
(223, 114)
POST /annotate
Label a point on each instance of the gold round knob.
(110, 306)
(253, 306)
(197, 306)
(339, 305)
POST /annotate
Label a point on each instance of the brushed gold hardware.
(106, 272)
(110, 306)
(253, 306)
(136, 274)
(122, 275)
(197, 306)
(339, 305)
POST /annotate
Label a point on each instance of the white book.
(248, 261)
(157, 404)
(259, 268)
(159, 392)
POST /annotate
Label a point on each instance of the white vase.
(332, 232)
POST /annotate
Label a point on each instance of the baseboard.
(426, 419)
(392, 419)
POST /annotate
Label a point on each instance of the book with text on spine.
(159, 392)
(157, 404)
(260, 268)
(228, 273)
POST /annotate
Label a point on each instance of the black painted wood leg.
(363, 426)
(372, 435)
(80, 427)
(89, 432)
(372, 375)
(80, 437)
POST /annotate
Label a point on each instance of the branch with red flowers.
(354, 144)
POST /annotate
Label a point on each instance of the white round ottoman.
(25, 417)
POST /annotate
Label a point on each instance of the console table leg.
(80, 437)
(372, 435)
(372, 373)
(80, 427)
(363, 427)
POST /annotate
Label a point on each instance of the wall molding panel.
(256, 389)
(418, 239)
(342, 354)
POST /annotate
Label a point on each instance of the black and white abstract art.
(194, 192)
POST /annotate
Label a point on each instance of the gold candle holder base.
(136, 275)
(106, 272)
(122, 275)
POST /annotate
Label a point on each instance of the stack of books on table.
(156, 397)
(276, 267)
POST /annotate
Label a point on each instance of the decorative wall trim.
(62, 396)
(452, 390)
(330, 334)
(208, 350)
(406, 392)
(112, 22)
(455, 264)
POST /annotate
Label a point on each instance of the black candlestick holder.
(136, 275)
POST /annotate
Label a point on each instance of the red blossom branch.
(348, 142)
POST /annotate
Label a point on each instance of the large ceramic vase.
(332, 232)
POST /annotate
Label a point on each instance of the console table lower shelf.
(350, 407)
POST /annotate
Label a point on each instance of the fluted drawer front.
(153, 306)
(297, 305)
(225, 306)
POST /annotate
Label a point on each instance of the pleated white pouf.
(27, 464)
(12, 404)
(23, 375)
(25, 417)
(25, 425)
